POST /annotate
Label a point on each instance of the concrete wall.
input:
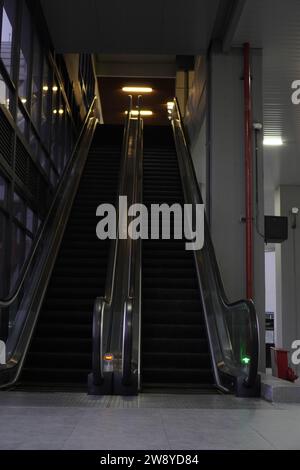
(196, 123)
(215, 122)
(227, 170)
(287, 327)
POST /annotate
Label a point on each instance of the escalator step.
(60, 353)
(175, 349)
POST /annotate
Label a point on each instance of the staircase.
(61, 350)
(175, 351)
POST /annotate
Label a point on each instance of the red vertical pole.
(248, 172)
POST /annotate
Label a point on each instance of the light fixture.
(61, 111)
(55, 88)
(45, 88)
(246, 360)
(108, 357)
(273, 141)
(24, 100)
(170, 105)
(136, 89)
(55, 111)
(142, 113)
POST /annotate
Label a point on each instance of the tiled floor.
(76, 421)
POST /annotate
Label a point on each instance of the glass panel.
(7, 32)
(30, 220)
(6, 96)
(34, 143)
(18, 251)
(44, 161)
(19, 209)
(25, 55)
(46, 105)
(28, 245)
(3, 250)
(36, 83)
(22, 123)
(3, 190)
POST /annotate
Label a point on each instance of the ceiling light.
(24, 100)
(61, 111)
(273, 141)
(136, 89)
(45, 88)
(55, 111)
(142, 113)
(55, 88)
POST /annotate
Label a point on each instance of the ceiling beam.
(232, 24)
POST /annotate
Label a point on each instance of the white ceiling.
(131, 26)
(274, 25)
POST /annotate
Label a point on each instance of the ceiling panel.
(132, 26)
(274, 26)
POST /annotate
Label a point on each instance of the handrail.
(4, 303)
(101, 303)
(23, 318)
(194, 190)
(111, 271)
(133, 277)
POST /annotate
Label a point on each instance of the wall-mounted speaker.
(276, 229)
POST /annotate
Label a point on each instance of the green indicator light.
(246, 360)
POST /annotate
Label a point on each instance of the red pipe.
(248, 172)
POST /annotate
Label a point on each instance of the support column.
(287, 321)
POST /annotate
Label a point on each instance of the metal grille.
(6, 139)
(22, 163)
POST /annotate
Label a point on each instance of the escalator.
(174, 344)
(60, 352)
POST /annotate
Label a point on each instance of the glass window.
(25, 52)
(44, 161)
(28, 245)
(19, 208)
(34, 143)
(36, 83)
(6, 97)
(22, 122)
(18, 252)
(3, 250)
(3, 190)
(7, 32)
(30, 220)
(46, 104)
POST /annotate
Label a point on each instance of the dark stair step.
(178, 376)
(175, 345)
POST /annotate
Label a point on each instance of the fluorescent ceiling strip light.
(136, 89)
(273, 141)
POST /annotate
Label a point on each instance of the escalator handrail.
(111, 269)
(254, 337)
(8, 301)
(101, 302)
(134, 249)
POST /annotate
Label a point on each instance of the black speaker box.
(276, 229)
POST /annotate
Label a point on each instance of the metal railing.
(232, 327)
(103, 305)
(117, 313)
(4, 303)
(23, 310)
